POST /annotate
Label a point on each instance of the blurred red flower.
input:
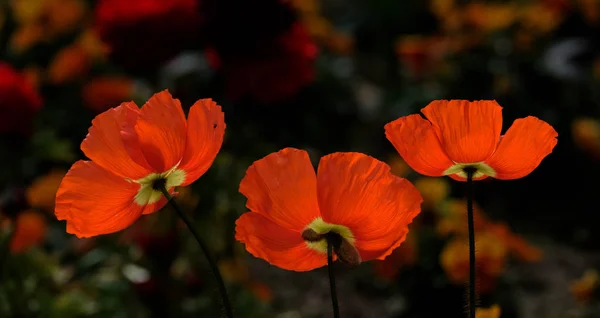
(19, 100)
(277, 72)
(143, 33)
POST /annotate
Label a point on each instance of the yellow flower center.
(149, 191)
(480, 168)
(321, 228)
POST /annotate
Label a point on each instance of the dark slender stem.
(209, 257)
(472, 275)
(334, 299)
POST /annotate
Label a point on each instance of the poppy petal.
(161, 130)
(105, 147)
(361, 193)
(277, 245)
(468, 131)
(205, 130)
(283, 188)
(522, 148)
(416, 141)
(95, 201)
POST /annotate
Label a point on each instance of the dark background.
(320, 75)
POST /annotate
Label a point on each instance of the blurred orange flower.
(353, 197)
(261, 290)
(515, 244)
(42, 192)
(584, 287)
(420, 53)
(492, 312)
(69, 64)
(103, 92)
(586, 134)
(459, 134)
(19, 100)
(489, 17)
(30, 230)
(133, 152)
(490, 256)
(405, 254)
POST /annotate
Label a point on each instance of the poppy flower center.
(151, 185)
(318, 234)
(480, 169)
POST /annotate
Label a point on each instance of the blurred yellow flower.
(42, 192)
(318, 27)
(398, 166)
(583, 288)
(433, 190)
(539, 18)
(452, 218)
(490, 256)
(586, 134)
(340, 43)
(492, 312)
(491, 17)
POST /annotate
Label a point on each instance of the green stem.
(472, 274)
(334, 299)
(209, 257)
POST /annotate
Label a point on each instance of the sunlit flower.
(404, 255)
(143, 33)
(353, 201)
(584, 287)
(134, 152)
(459, 135)
(19, 100)
(490, 256)
(30, 230)
(492, 312)
(586, 134)
(102, 92)
(433, 190)
(42, 192)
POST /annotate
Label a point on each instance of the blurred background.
(320, 75)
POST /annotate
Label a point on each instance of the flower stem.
(472, 275)
(205, 250)
(334, 299)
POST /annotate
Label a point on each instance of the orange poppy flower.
(133, 151)
(459, 134)
(354, 199)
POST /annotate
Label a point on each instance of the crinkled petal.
(361, 193)
(468, 131)
(161, 131)
(277, 245)
(106, 148)
(205, 131)
(522, 148)
(416, 141)
(283, 187)
(95, 201)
